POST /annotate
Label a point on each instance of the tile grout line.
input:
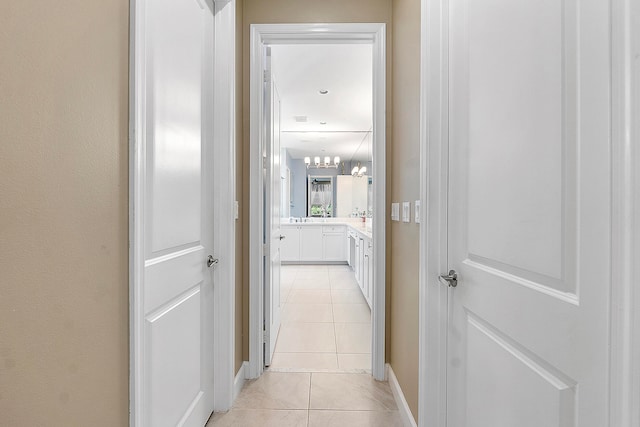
(309, 402)
(335, 333)
(333, 318)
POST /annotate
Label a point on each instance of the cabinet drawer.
(333, 229)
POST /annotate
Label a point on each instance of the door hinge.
(265, 336)
(265, 249)
(264, 162)
(265, 76)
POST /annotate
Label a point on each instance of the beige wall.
(63, 213)
(299, 11)
(405, 186)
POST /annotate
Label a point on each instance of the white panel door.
(528, 213)
(272, 208)
(177, 331)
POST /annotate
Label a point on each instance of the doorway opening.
(324, 96)
(317, 287)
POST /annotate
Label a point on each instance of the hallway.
(279, 399)
(326, 322)
(321, 370)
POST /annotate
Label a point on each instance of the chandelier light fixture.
(327, 162)
(358, 171)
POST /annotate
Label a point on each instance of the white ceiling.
(300, 71)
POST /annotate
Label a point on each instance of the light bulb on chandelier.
(358, 171)
(327, 162)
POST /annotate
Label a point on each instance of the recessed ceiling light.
(323, 123)
(323, 91)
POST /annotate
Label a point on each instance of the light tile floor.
(312, 399)
(326, 322)
(320, 371)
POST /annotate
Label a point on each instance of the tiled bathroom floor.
(326, 322)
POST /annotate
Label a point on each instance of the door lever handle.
(282, 237)
(211, 261)
(450, 279)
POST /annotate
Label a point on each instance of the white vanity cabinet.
(313, 243)
(363, 266)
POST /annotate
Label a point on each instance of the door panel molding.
(522, 278)
(261, 34)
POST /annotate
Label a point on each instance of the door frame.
(624, 393)
(223, 192)
(625, 209)
(261, 34)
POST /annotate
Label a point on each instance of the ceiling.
(300, 72)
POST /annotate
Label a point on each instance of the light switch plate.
(416, 215)
(406, 211)
(236, 209)
(395, 211)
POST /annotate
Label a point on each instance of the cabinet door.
(369, 289)
(310, 243)
(290, 245)
(366, 279)
(333, 247)
(356, 261)
(360, 262)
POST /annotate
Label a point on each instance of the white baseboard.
(238, 382)
(405, 413)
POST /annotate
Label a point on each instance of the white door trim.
(224, 194)
(432, 326)
(317, 33)
(625, 208)
(224, 244)
(625, 137)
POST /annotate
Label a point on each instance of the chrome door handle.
(282, 237)
(211, 261)
(450, 279)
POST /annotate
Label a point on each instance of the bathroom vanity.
(335, 242)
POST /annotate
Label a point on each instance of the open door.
(528, 214)
(272, 212)
(172, 332)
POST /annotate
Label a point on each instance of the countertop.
(355, 224)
